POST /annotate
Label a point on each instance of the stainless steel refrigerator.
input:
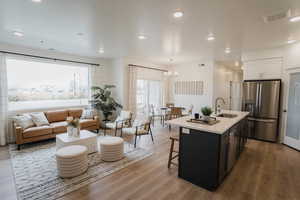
(262, 99)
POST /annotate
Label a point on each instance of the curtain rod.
(48, 58)
(148, 67)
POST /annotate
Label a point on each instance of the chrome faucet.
(216, 104)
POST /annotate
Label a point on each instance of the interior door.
(269, 93)
(292, 137)
(250, 97)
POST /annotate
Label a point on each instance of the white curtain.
(132, 89)
(3, 101)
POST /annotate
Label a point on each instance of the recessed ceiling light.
(18, 34)
(36, 1)
(142, 37)
(295, 19)
(101, 50)
(177, 14)
(291, 41)
(227, 50)
(210, 37)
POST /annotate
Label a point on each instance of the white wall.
(192, 72)
(223, 75)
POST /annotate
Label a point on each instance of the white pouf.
(72, 160)
(112, 148)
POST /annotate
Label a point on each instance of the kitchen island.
(207, 153)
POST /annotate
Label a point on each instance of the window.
(149, 92)
(36, 84)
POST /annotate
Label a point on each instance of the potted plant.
(103, 102)
(206, 111)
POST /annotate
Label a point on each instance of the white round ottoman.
(72, 160)
(112, 148)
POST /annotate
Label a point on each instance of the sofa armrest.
(19, 133)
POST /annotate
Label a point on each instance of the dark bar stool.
(173, 138)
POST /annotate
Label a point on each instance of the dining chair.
(175, 112)
(154, 112)
(189, 111)
(169, 105)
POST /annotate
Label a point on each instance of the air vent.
(277, 16)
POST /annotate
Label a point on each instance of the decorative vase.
(73, 131)
(70, 131)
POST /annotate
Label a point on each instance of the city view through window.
(43, 82)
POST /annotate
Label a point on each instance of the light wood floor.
(265, 171)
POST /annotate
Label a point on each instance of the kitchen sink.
(227, 115)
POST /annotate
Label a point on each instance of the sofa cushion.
(39, 119)
(75, 113)
(59, 127)
(25, 121)
(85, 123)
(37, 131)
(57, 115)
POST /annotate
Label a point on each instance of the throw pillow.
(25, 121)
(39, 119)
(88, 114)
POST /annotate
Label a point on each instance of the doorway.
(292, 137)
(149, 92)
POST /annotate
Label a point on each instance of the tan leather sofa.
(58, 125)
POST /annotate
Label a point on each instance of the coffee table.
(86, 138)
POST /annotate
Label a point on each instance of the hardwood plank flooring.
(264, 171)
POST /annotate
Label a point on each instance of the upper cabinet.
(267, 68)
(291, 56)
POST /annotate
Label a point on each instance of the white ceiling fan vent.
(277, 16)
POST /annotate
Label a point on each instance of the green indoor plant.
(103, 102)
(206, 111)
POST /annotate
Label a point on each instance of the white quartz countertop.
(218, 128)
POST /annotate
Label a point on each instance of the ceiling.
(114, 25)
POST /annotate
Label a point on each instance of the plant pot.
(206, 118)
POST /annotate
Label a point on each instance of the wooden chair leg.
(171, 153)
(116, 131)
(151, 135)
(135, 141)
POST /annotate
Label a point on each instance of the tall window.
(34, 84)
(149, 92)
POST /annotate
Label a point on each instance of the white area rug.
(36, 174)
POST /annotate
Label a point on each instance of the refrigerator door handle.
(262, 120)
(257, 104)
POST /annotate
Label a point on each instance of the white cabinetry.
(269, 68)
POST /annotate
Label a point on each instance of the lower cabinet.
(206, 158)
